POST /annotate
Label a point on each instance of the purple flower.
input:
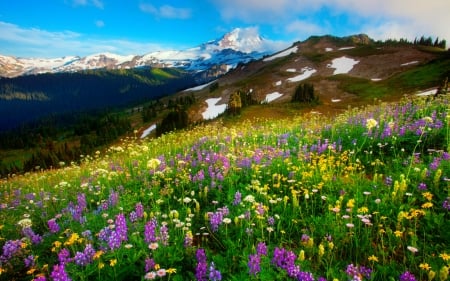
(121, 227)
(29, 261)
(149, 264)
(64, 256)
(215, 219)
(214, 274)
(422, 186)
(139, 209)
(407, 276)
(86, 257)
(201, 268)
(149, 231)
(254, 264)
(59, 273)
(53, 225)
(114, 240)
(270, 221)
(113, 198)
(446, 204)
(388, 181)
(29, 233)
(133, 216)
(305, 276)
(164, 234)
(81, 201)
(10, 248)
(358, 272)
(261, 249)
(237, 198)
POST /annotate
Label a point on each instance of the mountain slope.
(238, 46)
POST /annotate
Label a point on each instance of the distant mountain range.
(237, 46)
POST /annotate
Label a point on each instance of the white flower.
(412, 249)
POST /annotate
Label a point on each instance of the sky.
(55, 28)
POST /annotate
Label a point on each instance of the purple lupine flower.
(422, 186)
(237, 198)
(261, 249)
(87, 234)
(270, 221)
(446, 204)
(202, 266)
(357, 272)
(305, 276)
(214, 274)
(388, 181)
(133, 216)
(29, 233)
(114, 240)
(29, 261)
(254, 266)
(81, 201)
(407, 276)
(53, 225)
(64, 256)
(164, 234)
(121, 227)
(10, 248)
(435, 164)
(149, 264)
(59, 273)
(215, 219)
(113, 198)
(149, 231)
(139, 209)
(81, 259)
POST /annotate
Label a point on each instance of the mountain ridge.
(238, 46)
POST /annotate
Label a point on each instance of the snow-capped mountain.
(240, 45)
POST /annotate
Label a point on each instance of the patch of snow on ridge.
(345, 48)
(282, 54)
(278, 83)
(291, 70)
(409, 63)
(271, 97)
(328, 49)
(147, 131)
(375, 79)
(335, 100)
(213, 109)
(342, 65)
(199, 87)
(307, 72)
(427, 93)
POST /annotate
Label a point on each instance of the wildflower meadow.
(359, 196)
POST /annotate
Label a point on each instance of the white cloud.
(166, 11)
(378, 18)
(34, 42)
(96, 3)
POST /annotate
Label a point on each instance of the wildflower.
(24, 223)
(371, 123)
(412, 249)
(10, 248)
(164, 234)
(444, 256)
(427, 205)
(446, 204)
(357, 272)
(425, 266)
(237, 198)
(112, 262)
(214, 274)
(422, 186)
(261, 249)
(171, 270)
(149, 231)
(407, 276)
(150, 275)
(398, 233)
(161, 272)
(427, 195)
(153, 246)
(153, 163)
(201, 268)
(53, 226)
(373, 258)
(59, 273)
(443, 273)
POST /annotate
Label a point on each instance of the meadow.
(359, 196)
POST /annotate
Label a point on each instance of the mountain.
(237, 46)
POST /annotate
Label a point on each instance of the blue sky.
(54, 28)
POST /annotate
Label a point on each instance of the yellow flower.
(351, 203)
(97, 254)
(101, 265)
(425, 266)
(445, 256)
(398, 233)
(2, 270)
(427, 205)
(157, 266)
(72, 239)
(363, 210)
(113, 262)
(427, 195)
(31, 271)
(171, 270)
(371, 123)
(373, 258)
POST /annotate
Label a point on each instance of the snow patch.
(336, 100)
(346, 48)
(199, 87)
(427, 93)
(213, 109)
(307, 72)
(278, 83)
(271, 97)
(147, 131)
(328, 49)
(409, 63)
(291, 70)
(342, 65)
(375, 79)
(282, 54)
